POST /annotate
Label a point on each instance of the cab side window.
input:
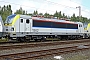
(27, 21)
(21, 20)
(80, 25)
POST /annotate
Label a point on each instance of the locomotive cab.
(16, 26)
(9, 27)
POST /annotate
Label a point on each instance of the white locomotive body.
(23, 28)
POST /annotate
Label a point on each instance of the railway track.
(31, 45)
(43, 53)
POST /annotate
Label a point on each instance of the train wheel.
(20, 39)
(27, 39)
(43, 39)
(67, 38)
(35, 40)
(59, 37)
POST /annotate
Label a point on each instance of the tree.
(5, 11)
(63, 15)
(20, 11)
(46, 14)
(56, 14)
(40, 13)
(84, 20)
(35, 12)
(30, 14)
(73, 18)
(60, 15)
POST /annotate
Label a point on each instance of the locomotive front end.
(9, 26)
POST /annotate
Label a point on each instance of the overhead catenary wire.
(43, 8)
(38, 8)
(24, 5)
(29, 6)
(85, 10)
(78, 3)
(83, 7)
(65, 5)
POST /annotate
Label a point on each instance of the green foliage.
(35, 12)
(56, 14)
(6, 11)
(40, 14)
(20, 11)
(78, 57)
(80, 19)
(46, 14)
(60, 15)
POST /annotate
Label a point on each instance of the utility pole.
(79, 12)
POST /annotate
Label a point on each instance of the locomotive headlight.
(6, 29)
(12, 29)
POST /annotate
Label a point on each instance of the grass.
(3, 40)
(78, 57)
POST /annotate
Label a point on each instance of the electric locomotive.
(26, 28)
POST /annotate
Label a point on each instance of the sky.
(50, 6)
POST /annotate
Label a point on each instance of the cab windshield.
(10, 19)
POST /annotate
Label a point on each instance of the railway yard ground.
(3, 40)
(54, 50)
(80, 55)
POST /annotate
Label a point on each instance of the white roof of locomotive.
(25, 16)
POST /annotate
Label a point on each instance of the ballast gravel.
(80, 55)
(13, 51)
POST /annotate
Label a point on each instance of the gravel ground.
(80, 55)
(5, 52)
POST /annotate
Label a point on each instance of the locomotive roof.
(48, 19)
(25, 16)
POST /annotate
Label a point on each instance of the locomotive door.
(27, 25)
(21, 26)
